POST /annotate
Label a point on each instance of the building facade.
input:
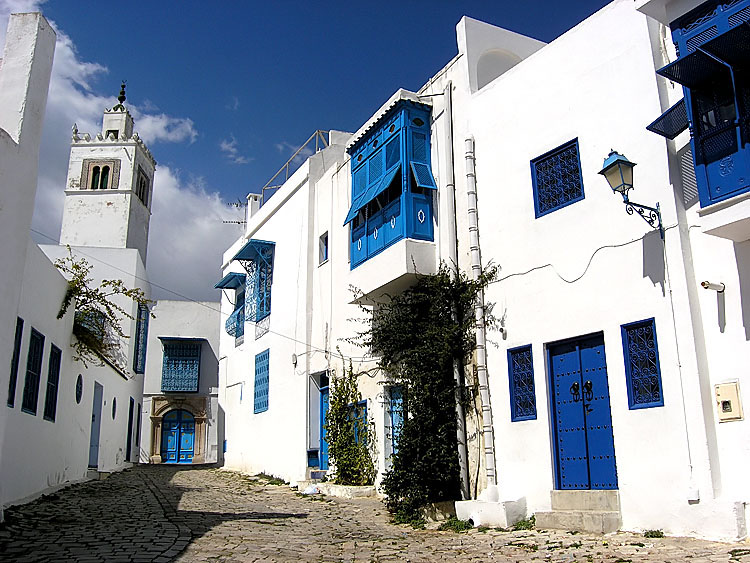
(615, 369)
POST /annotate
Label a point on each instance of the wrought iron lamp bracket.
(652, 215)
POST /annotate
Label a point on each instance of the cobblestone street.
(166, 513)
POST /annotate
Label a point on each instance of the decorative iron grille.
(557, 178)
(141, 337)
(235, 325)
(521, 376)
(642, 365)
(260, 393)
(181, 366)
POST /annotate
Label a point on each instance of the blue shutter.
(33, 372)
(672, 122)
(14, 363)
(642, 365)
(397, 415)
(53, 379)
(521, 380)
(260, 399)
(181, 366)
(141, 338)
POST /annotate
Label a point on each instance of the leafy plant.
(419, 334)
(453, 524)
(348, 433)
(653, 534)
(96, 324)
(527, 524)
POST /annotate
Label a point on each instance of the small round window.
(418, 122)
(79, 389)
(359, 158)
(114, 407)
(392, 129)
(375, 143)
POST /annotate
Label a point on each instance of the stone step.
(606, 500)
(592, 521)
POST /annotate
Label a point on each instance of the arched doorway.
(177, 437)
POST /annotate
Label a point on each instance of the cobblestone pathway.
(161, 513)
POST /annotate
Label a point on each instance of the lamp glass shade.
(618, 171)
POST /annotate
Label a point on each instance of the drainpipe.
(476, 270)
(451, 247)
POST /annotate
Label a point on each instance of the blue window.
(521, 379)
(712, 68)
(53, 379)
(323, 248)
(141, 337)
(260, 403)
(396, 408)
(33, 373)
(181, 365)
(257, 259)
(557, 180)
(392, 182)
(14, 363)
(358, 413)
(235, 323)
(642, 365)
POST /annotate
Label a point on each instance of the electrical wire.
(204, 304)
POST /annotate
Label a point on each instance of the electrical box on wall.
(728, 402)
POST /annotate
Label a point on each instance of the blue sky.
(224, 92)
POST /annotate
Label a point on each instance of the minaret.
(109, 186)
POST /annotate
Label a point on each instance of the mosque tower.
(109, 188)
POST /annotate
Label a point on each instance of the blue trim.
(672, 122)
(423, 176)
(254, 249)
(371, 193)
(13, 381)
(521, 383)
(232, 280)
(33, 372)
(642, 370)
(557, 178)
(260, 387)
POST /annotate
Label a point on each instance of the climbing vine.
(96, 325)
(418, 335)
(350, 443)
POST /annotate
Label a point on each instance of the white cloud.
(187, 237)
(230, 150)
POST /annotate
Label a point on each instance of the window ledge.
(729, 219)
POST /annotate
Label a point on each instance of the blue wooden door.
(177, 437)
(323, 441)
(584, 444)
(96, 422)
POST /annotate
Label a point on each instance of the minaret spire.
(121, 98)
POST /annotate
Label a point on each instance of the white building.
(65, 421)
(616, 373)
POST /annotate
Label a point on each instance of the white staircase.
(586, 511)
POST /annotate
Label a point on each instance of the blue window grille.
(557, 180)
(358, 413)
(53, 379)
(396, 408)
(642, 365)
(180, 371)
(256, 257)
(521, 379)
(33, 372)
(260, 402)
(392, 182)
(235, 323)
(15, 360)
(141, 338)
(712, 44)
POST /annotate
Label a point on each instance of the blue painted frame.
(547, 159)
(261, 384)
(13, 381)
(633, 364)
(516, 393)
(33, 372)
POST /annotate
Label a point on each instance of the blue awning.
(254, 250)
(231, 281)
(693, 69)
(732, 47)
(423, 176)
(371, 193)
(672, 122)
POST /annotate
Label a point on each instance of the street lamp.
(618, 171)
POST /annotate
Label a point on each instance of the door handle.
(588, 390)
(575, 391)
